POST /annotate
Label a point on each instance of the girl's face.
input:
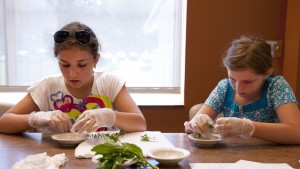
(246, 83)
(76, 65)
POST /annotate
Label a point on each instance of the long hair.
(94, 46)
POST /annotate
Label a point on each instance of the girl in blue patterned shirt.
(252, 100)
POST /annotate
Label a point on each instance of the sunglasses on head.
(81, 36)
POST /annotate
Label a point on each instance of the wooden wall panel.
(211, 26)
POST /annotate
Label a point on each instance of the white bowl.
(126, 164)
(168, 156)
(69, 138)
(205, 141)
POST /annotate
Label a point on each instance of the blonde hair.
(94, 46)
(249, 52)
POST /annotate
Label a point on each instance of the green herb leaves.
(211, 126)
(109, 137)
(114, 152)
(145, 137)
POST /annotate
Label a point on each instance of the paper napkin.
(42, 160)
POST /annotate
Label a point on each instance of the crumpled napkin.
(84, 150)
(41, 161)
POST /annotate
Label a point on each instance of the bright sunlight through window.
(142, 40)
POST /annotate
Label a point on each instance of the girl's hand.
(91, 120)
(201, 123)
(233, 126)
(55, 119)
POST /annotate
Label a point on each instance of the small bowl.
(168, 156)
(204, 141)
(69, 139)
(126, 164)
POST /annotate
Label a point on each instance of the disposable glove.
(233, 126)
(200, 123)
(91, 120)
(55, 119)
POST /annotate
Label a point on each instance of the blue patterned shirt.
(276, 91)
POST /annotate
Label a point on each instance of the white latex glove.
(91, 120)
(55, 119)
(233, 126)
(199, 124)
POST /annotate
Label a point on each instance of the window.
(142, 41)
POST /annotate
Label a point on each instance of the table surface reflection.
(14, 148)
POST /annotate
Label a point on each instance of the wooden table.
(14, 148)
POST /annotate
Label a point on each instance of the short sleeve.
(216, 98)
(109, 84)
(280, 92)
(39, 93)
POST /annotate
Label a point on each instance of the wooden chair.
(194, 109)
(4, 107)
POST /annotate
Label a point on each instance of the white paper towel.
(41, 161)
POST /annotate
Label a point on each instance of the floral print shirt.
(276, 91)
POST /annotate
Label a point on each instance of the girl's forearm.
(13, 124)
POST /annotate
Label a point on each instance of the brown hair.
(94, 46)
(249, 52)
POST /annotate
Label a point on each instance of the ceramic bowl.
(205, 141)
(168, 156)
(126, 164)
(70, 139)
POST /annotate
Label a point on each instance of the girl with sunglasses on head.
(252, 100)
(80, 100)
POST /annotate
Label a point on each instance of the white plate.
(69, 138)
(168, 156)
(203, 141)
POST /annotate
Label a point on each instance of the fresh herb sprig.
(118, 153)
(115, 137)
(114, 152)
(209, 125)
(145, 137)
